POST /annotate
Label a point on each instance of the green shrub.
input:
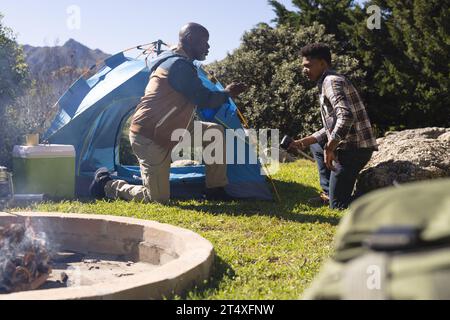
(269, 62)
(13, 80)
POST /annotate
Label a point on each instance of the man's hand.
(302, 144)
(330, 155)
(234, 89)
(295, 145)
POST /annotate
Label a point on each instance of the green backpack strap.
(418, 212)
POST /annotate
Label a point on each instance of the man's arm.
(302, 144)
(320, 135)
(184, 78)
(335, 93)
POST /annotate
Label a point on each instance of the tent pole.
(245, 123)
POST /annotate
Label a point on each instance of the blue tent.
(93, 112)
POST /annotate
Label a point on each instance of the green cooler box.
(44, 169)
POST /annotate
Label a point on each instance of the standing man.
(171, 97)
(346, 142)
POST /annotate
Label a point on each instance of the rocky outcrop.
(407, 156)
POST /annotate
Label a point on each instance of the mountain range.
(45, 61)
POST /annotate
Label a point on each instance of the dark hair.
(317, 51)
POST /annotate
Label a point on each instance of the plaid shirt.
(343, 114)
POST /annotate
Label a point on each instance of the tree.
(406, 61)
(13, 68)
(13, 80)
(330, 13)
(27, 100)
(418, 67)
(269, 62)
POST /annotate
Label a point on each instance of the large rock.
(407, 156)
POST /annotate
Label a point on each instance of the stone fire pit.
(106, 257)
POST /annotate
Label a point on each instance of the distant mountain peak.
(71, 41)
(45, 60)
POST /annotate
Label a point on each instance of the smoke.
(24, 257)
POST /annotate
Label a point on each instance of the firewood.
(24, 260)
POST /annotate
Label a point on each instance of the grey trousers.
(154, 162)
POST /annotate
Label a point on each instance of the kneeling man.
(171, 97)
(346, 142)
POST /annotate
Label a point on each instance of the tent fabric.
(92, 114)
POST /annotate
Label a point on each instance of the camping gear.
(45, 169)
(6, 187)
(286, 142)
(394, 244)
(93, 112)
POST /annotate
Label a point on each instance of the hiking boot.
(218, 194)
(321, 200)
(97, 187)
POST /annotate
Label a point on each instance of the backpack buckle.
(393, 239)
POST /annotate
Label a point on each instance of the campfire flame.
(25, 263)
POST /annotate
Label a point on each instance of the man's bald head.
(194, 41)
(191, 30)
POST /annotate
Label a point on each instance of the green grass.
(263, 250)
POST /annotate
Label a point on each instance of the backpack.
(393, 244)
